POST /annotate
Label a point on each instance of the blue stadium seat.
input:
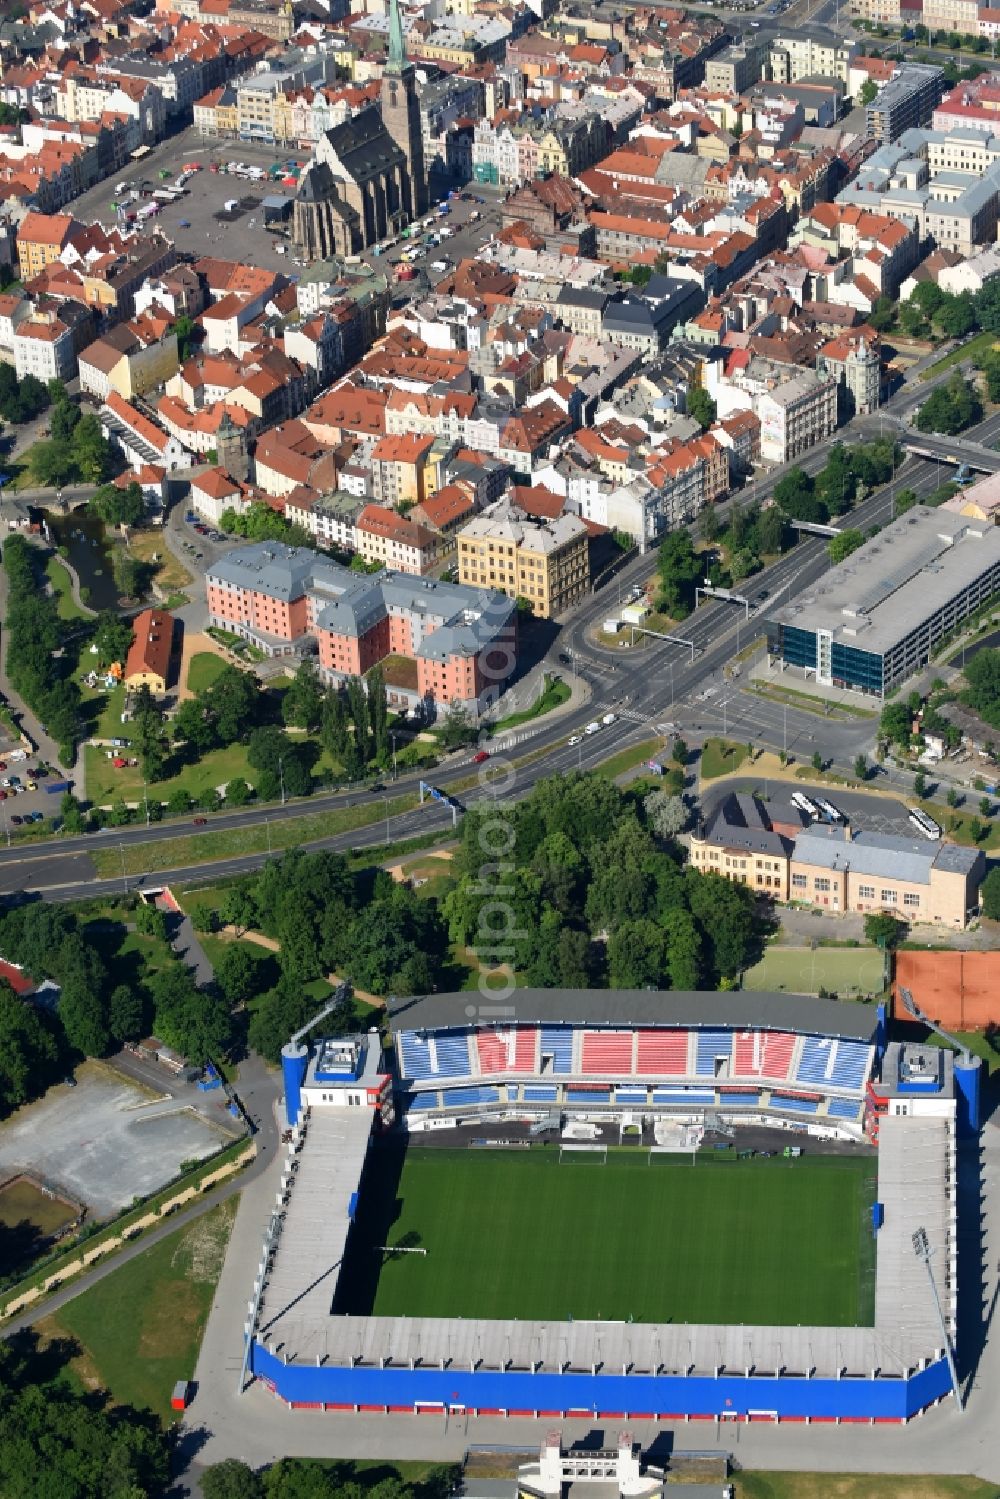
(539, 1095)
(795, 1105)
(588, 1095)
(459, 1098)
(850, 1065)
(630, 1095)
(422, 1101)
(843, 1108)
(453, 1054)
(414, 1055)
(682, 1095)
(712, 1044)
(557, 1043)
(814, 1060)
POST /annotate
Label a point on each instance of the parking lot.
(198, 225)
(105, 1141)
(191, 222)
(23, 797)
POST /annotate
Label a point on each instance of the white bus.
(804, 804)
(828, 811)
(924, 825)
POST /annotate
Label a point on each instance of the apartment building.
(43, 347)
(387, 537)
(289, 601)
(775, 850)
(908, 99)
(809, 54)
(399, 468)
(41, 239)
(796, 415)
(545, 562)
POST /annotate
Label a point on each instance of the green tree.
(117, 506)
(667, 815)
(112, 637)
(951, 408)
(990, 892)
(956, 315)
(796, 496)
(186, 330)
(237, 973)
(637, 955)
(302, 703)
(91, 450)
(840, 547)
(457, 728)
(985, 806)
(238, 793)
(151, 921)
(882, 929)
(232, 1479)
(817, 760)
(27, 1051)
(83, 1018)
(919, 784)
(53, 462)
(708, 524)
(772, 531)
(126, 1013)
(701, 407)
(867, 93)
(952, 797)
(679, 568)
(861, 767)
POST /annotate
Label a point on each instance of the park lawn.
(976, 347)
(654, 1239)
(140, 1328)
(721, 757)
(104, 782)
(804, 700)
(204, 668)
(198, 901)
(556, 692)
(151, 547)
(62, 586)
(628, 759)
(804, 970)
(976, 1042)
(860, 1486)
(255, 838)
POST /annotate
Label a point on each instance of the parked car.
(480, 756)
(200, 822)
(16, 820)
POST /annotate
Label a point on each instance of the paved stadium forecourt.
(554, 1366)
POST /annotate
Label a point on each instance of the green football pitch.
(521, 1235)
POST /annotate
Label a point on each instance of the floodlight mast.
(912, 1008)
(340, 996)
(923, 1251)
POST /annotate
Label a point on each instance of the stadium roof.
(739, 1010)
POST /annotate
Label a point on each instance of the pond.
(86, 548)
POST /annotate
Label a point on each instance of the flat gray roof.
(738, 1010)
(886, 855)
(891, 585)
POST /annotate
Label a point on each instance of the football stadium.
(617, 1204)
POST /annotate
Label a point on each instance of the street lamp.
(281, 777)
(385, 800)
(395, 772)
(923, 1251)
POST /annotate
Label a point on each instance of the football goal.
(575, 1152)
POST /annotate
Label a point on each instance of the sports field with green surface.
(519, 1235)
(806, 970)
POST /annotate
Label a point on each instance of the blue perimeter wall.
(603, 1394)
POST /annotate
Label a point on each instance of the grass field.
(203, 669)
(721, 757)
(62, 586)
(860, 1486)
(975, 349)
(767, 1242)
(805, 970)
(140, 1329)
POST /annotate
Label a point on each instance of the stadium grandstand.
(689, 1063)
(747, 1055)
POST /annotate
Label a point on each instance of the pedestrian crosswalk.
(631, 715)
